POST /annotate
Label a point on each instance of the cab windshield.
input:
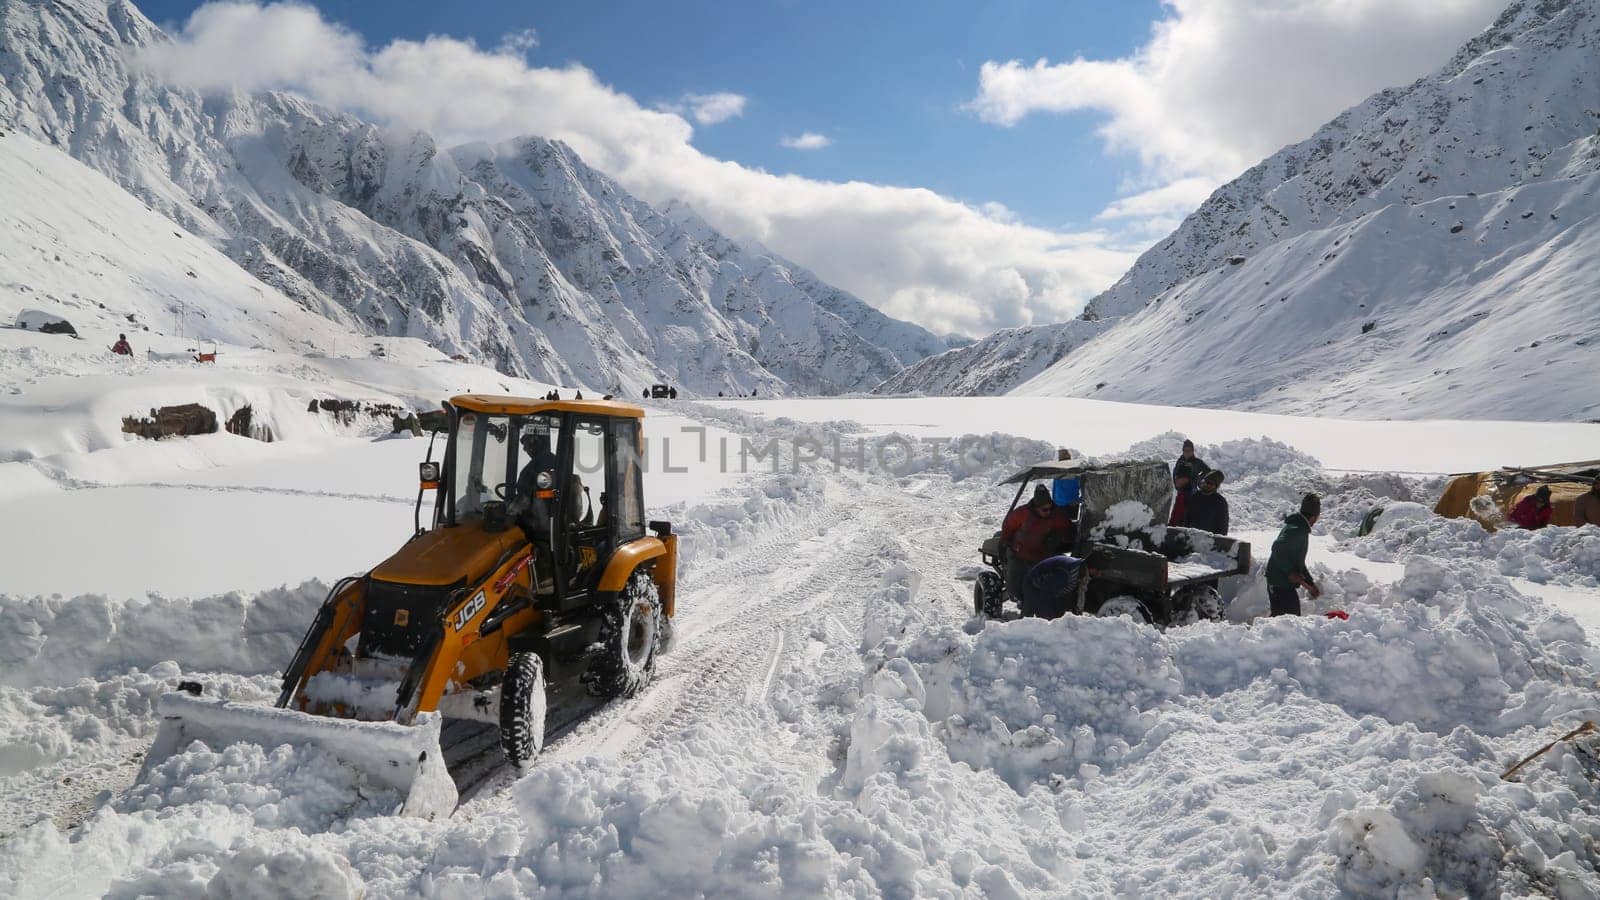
(499, 458)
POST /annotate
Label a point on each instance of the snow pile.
(286, 786)
(713, 528)
(1463, 830)
(52, 640)
(366, 698)
(1037, 700)
(1548, 555)
(1441, 648)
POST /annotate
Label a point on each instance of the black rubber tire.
(522, 708)
(630, 639)
(988, 595)
(1124, 605)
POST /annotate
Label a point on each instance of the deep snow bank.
(1450, 670)
(1560, 555)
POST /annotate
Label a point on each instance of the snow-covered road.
(831, 723)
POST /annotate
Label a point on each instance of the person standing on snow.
(1180, 499)
(1208, 510)
(1286, 567)
(1533, 513)
(1032, 533)
(1587, 506)
(1193, 465)
(122, 347)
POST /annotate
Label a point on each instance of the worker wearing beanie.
(1286, 567)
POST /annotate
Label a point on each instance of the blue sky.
(886, 81)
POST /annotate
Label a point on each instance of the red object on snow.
(1337, 614)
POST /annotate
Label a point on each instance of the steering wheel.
(500, 490)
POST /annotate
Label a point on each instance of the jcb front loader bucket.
(404, 758)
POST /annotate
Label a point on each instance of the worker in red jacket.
(122, 347)
(1180, 502)
(1534, 512)
(1031, 533)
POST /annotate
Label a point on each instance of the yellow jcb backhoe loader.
(539, 567)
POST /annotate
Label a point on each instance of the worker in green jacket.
(1286, 567)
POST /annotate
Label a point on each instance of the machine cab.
(567, 475)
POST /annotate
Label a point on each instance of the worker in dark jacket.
(1050, 589)
(1180, 498)
(1286, 567)
(1208, 510)
(1194, 466)
(1033, 532)
(1534, 511)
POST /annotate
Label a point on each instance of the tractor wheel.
(1124, 606)
(1206, 601)
(988, 595)
(522, 708)
(630, 637)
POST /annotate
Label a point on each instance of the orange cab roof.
(495, 404)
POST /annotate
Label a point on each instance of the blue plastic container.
(1065, 491)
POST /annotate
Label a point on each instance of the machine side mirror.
(428, 473)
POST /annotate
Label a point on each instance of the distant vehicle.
(663, 392)
(1157, 573)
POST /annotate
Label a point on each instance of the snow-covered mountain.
(516, 254)
(994, 364)
(83, 248)
(1430, 252)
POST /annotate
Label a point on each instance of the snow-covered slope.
(994, 364)
(1429, 252)
(518, 255)
(76, 245)
(1391, 314)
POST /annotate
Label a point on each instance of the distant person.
(1587, 506)
(752, 392)
(1286, 567)
(1180, 499)
(1050, 589)
(1208, 509)
(1193, 465)
(646, 394)
(1533, 513)
(122, 347)
(578, 395)
(1031, 533)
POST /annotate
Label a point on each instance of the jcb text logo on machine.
(465, 613)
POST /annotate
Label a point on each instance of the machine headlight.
(544, 481)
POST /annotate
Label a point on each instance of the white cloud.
(913, 253)
(809, 140)
(707, 109)
(516, 43)
(1222, 84)
(1172, 198)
